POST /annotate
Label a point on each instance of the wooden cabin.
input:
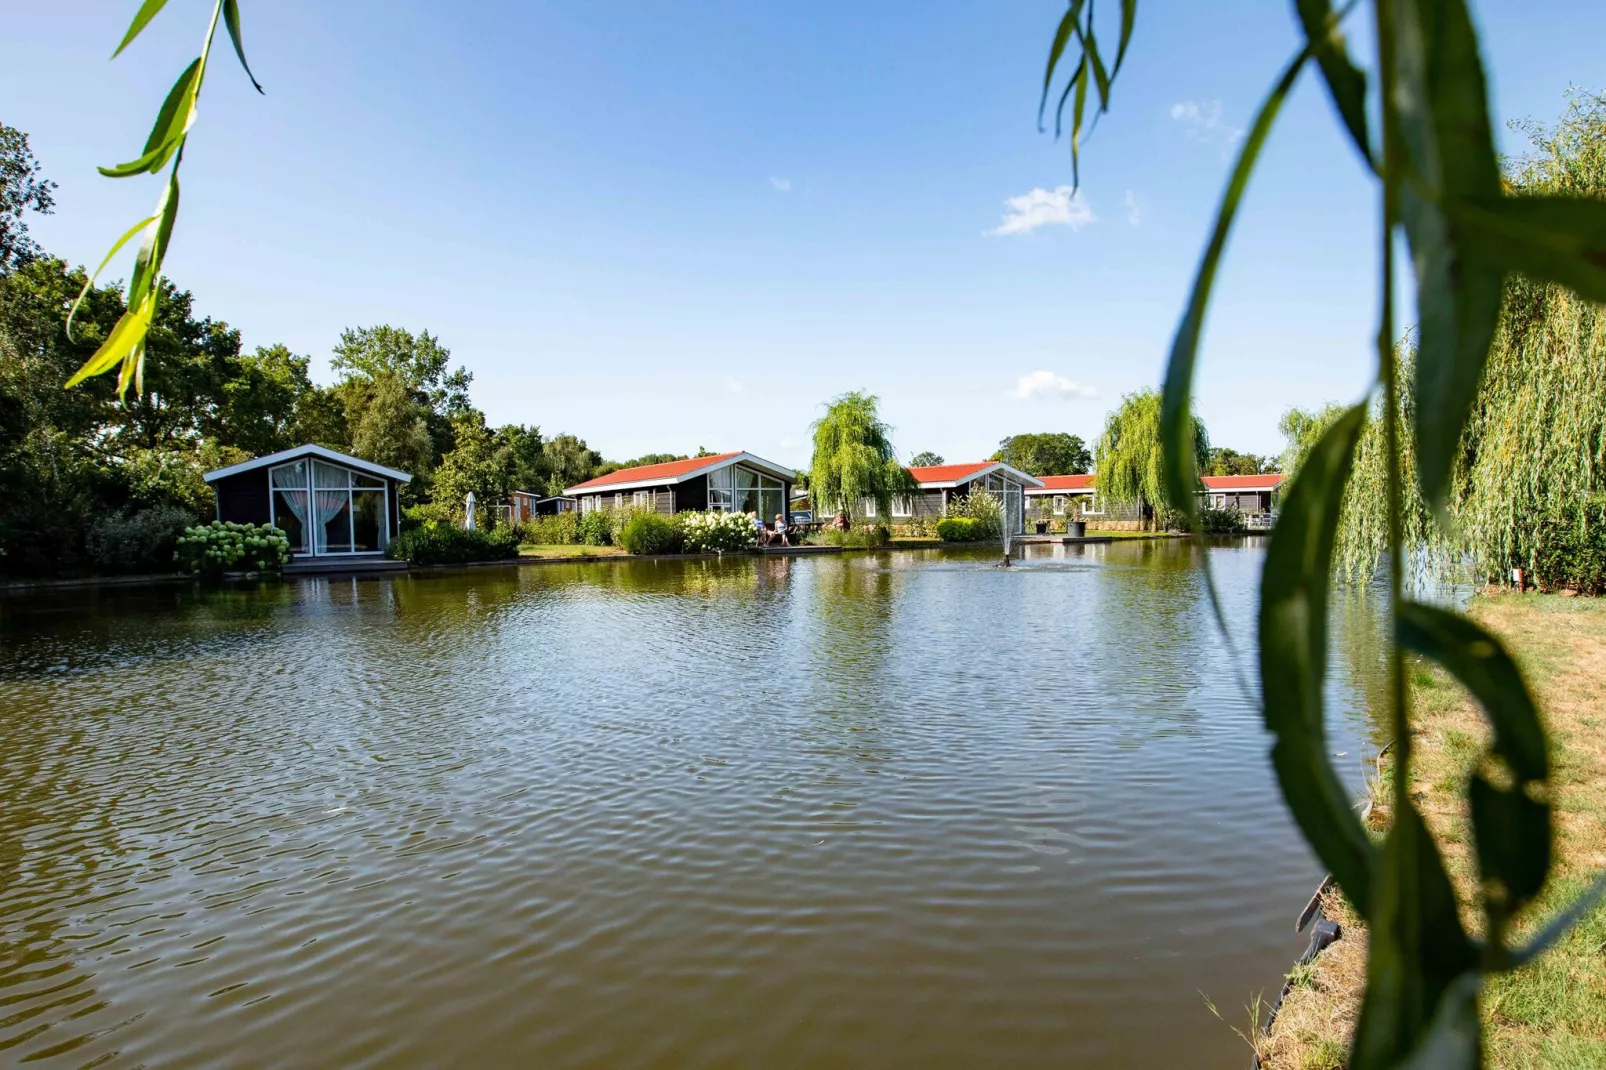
(728, 482)
(329, 504)
(1243, 494)
(1060, 498)
(942, 484)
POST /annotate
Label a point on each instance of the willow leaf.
(1129, 17)
(1062, 36)
(1550, 238)
(90, 282)
(153, 250)
(1346, 84)
(171, 124)
(1451, 1042)
(1511, 827)
(1440, 102)
(231, 19)
(1419, 952)
(129, 330)
(1176, 426)
(1293, 659)
(147, 11)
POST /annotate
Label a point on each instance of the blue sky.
(670, 225)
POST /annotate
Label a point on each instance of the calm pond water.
(904, 809)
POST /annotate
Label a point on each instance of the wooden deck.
(341, 566)
(798, 550)
(1063, 540)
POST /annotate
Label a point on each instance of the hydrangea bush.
(218, 547)
(715, 532)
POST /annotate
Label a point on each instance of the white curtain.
(296, 502)
(328, 504)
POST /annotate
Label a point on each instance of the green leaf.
(88, 284)
(1062, 36)
(1451, 1042)
(153, 250)
(1176, 426)
(1510, 826)
(231, 19)
(1552, 239)
(172, 122)
(1418, 954)
(1129, 17)
(1557, 926)
(1293, 659)
(1077, 109)
(142, 17)
(129, 331)
(1346, 84)
(1440, 102)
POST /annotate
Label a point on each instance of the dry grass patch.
(1553, 1013)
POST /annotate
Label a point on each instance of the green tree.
(854, 458)
(1302, 430)
(1050, 453)
(22, 190)
(570, 461)
(1225, 461)
(528, 469)
(1129, 457)
(392, 426)
(925, 459)
(480, 463)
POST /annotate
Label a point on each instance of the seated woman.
(761, 534)
(780, 530)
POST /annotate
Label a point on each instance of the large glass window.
(771, 499)
(342, 511)
(719, 490)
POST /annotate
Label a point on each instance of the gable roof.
(951, 475)
(309, 450)
(1062, 484)
(651, 475)
(1268, 481)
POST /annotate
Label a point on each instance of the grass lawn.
(1552, 1013)
(566, 550)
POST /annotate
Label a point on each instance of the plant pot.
(1042, 527)
(1076, 529)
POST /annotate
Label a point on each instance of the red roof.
(647, 473)
(948, 473)
(1269, 481)
(1082, 482)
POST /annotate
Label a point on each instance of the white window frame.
(868, 505)
(308, 534)
(641, 499)
(902, 505)
(1059, 505)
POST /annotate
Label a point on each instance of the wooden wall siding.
(243, 498)
(692, 495)
(1243, 502)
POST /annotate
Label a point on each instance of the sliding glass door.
(742, 490)
(326, 509)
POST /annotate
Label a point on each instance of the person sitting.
(780, 530)
(841, 521)
(760, 533)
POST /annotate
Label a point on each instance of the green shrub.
(649, 533)
(958, 529)
(433, 543)
(1221, 521)
(140, 541)
(595, 528)
(714, 532)
(984, 509)
(562, 529)
(219, 547)
(1570, 549)
(860, 538)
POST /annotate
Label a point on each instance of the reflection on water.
(895, 809)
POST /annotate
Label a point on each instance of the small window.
(642, 499)
(869, 508)
(901, 506)
(1059, 505)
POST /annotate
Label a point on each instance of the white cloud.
(1042, 208)
(782, 185)
(1202, 119)
(1049, 387)
(1133, 214)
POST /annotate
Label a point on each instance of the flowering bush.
(716, 532)
(218, 547)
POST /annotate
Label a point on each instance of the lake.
(895, 809)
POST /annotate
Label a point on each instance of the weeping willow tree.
(853, 457)
(1129, 456)
(1534, 448)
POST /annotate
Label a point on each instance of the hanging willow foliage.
(1534, 449)
(1433, 441)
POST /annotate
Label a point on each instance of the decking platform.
(1063, 540)
(798, 550)
(335, 566)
